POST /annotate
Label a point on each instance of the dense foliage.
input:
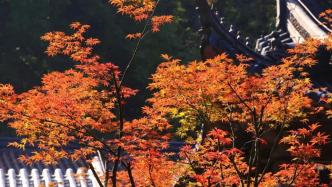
(231, 120)
(22, 62)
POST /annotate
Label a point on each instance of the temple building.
(296, 20)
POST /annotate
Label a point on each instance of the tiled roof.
(9, 159)
(67, 173)
(296, 20)
(60, 178)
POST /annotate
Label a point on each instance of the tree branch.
(144, 32)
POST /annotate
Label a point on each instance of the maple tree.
(243, 108)
(84, 107)
(232, 119)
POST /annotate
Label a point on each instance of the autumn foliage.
(79, 107)
(142, 10)
(326, 16)
(228, 112)
(231, 119)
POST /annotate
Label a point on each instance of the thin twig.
(296, 174)
(237, 171)
(240, 98)
(275, 143)
(144, 32)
